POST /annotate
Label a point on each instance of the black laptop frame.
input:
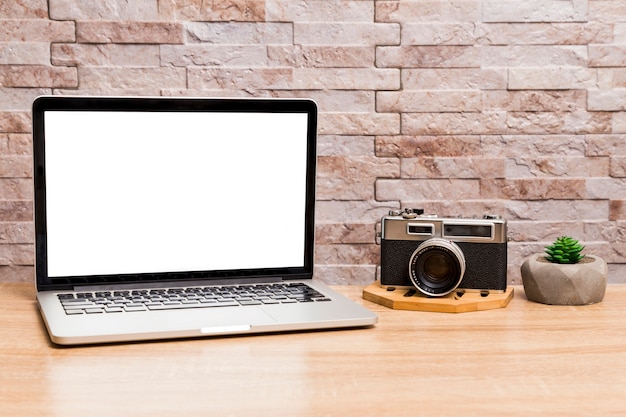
(43, 104)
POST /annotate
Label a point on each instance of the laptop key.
(249, 302)
(73, 312)
(66, 296)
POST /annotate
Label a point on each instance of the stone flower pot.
(564, 284)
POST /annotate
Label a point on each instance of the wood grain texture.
(522, 360)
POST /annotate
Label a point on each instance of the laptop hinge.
(178, 284)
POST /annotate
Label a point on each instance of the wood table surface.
(527, 359)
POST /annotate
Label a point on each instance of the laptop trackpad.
(237, 321)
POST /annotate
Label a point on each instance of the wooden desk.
(525, 360)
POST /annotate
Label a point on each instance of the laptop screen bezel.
(44, 104)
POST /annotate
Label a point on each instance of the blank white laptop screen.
(106, 212)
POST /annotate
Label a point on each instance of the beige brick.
(345, 233)
(346, 79)
(609, 78)
(619, 31)
(438, 167)
(607, 11)
(347, 254)
(24, 9)
(15, 144)
(321, 56)
(444, 56)
(451, 207)
(534, 11)
(131, 78)
(104, 10)
(335, 212)
(417, 190)
(552, 78)
(346, 274)
(38, 76)
(618, 124)
(606, 188)
(617, 210)
(543, 231)
(240, 78)
(606, 145)
(533, 166)
(611, 230)
(513, 146)
(31, 30)
(544, 33)
(330, 145)
(534, 56)
(18, 98)
(607, 100)
(105, 55)
(16, 210)
(358, 124)
(238, 33)
(618, 167)
(15, 122)
(425, 33)
(342, 34)
(429, 101)
(578, 122)
(213, 55)
(213, 10)
(535, 100)
(535, 188)
(352, 178)
(427, 146)
(16, 188)
(17, 254)
(24, 53)
(319, 11)
(17, 274)
(16, 166)
(535, 123)
(454, 78)
(487, 123)
(607, 55)
(17, 232)
(556, 210)
(130, 32)
(429, 11)
(617, 273)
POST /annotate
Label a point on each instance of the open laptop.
(165, 218)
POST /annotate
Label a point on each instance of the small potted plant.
(563, 275)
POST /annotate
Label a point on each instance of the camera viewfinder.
(420, 229)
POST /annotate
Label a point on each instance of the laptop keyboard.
(98, 302)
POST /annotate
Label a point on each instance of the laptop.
(160, 218)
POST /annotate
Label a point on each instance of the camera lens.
(436, 267)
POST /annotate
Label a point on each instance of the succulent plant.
(564, 250)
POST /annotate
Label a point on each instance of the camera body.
(437, 255)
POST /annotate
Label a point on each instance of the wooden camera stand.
(455, 302)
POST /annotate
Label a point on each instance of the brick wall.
(514, 107)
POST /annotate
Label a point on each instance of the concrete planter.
(564, 284)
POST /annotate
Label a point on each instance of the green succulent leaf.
(564, 250)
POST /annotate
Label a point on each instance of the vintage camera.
(440, 255)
